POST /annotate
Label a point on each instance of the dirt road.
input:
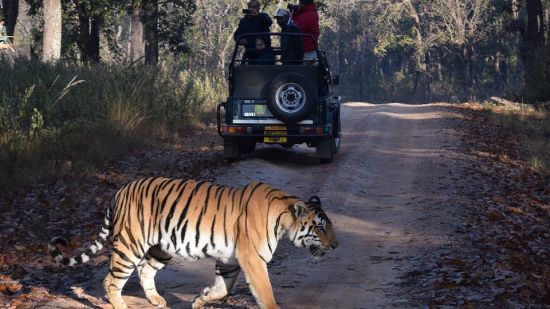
(390, 193)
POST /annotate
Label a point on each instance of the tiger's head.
(313, 227)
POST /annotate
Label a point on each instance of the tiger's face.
(315, 229)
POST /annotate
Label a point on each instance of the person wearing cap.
(306, 19)
(292, 47)
(252, 22)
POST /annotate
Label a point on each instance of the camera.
(247, 11)
(292, 7)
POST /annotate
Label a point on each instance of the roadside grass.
(531, 123)
(64, 118)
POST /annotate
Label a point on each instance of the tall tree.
(22, 30)
(51, 40)
(137, 44)
(151, 32)
(465, 24)
(11, 10)
(532, 51)
(90, 18)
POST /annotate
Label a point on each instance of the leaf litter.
(503, 260)
(74, 207)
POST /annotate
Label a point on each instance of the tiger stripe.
(152, 219)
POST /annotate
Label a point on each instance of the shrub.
(86, 115)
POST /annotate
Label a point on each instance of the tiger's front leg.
(226, 274)
(257, 277)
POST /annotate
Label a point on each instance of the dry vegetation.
(531, 123)
(55, 119)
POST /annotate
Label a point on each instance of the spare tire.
(290, 97)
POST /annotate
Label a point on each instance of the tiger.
(153, 219)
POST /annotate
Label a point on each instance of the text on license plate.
(275, 139)
(275, 128)
(275, 133)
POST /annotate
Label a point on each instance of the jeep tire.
(231, 150)
(290, 97)
(325, 150)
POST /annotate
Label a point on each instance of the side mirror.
(336, 80)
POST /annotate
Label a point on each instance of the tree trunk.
(51, 40)
(22, 35)
(84, 32)
(532, 50)
(93, 46)
(468, 60)
(11, 10)
(429, 94)
(421, 55)
(88, 36)
(228, 44)
(472, 65)
(137, 47)
(151, 32)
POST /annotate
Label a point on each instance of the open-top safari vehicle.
(274, 103)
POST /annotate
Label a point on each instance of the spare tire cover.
(291, 97)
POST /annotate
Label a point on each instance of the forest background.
(91, 80)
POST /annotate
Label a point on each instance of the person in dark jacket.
(292, 47)
(252, 22)
(306, 18)
(262, 54)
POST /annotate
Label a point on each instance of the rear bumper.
(262, 133)
(267, 131)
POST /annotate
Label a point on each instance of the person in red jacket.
(305, 17)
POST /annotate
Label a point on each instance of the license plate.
(275, 128)
(275, 133)
(275, 139)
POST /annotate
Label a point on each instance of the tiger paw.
(198, 303)
(157, 300)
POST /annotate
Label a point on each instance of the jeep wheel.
(290, 97)
(336, 144)
(337, 125)
(231, 150)
(327, 149)
(247, 146)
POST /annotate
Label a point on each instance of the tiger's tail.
(92, 251)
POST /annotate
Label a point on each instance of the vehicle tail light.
(236, 130)
(314, 130)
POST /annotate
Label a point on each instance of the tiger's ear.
(315, 200)
(298, 209)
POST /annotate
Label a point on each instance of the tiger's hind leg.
(154, 260)
(226, 274)
(123, 263)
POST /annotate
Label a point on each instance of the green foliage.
(393, 42)
(86, 115)
(174, 22)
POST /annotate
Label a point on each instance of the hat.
(282, 12)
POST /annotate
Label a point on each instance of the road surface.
(390, 193)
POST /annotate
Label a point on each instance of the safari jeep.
(276, 103)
